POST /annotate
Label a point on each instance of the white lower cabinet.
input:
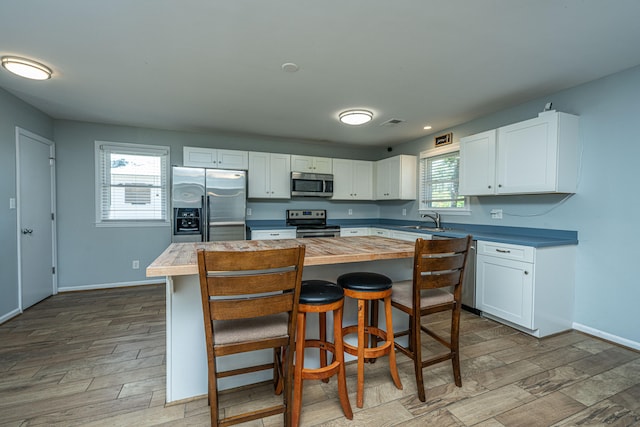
(284, 233)
(354, 231)
(529, 288)
(382, 232)
(408, 236)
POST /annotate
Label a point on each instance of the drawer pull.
(526, 272)
(503, 251)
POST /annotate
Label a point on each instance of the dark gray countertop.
(535, 237)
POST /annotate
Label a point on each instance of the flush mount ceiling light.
(355, 117)
(26, 68)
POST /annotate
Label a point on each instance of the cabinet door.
(280, 176)
(259, 175)
(478, 164)
(342, 179)
(380, 232)
(410, 237)
(311, 164)
(362, 180)
(383, 186)
(233, 159)
(527, 155)
(355, 231)
(504, 289)
(273, 234)
(199, 157)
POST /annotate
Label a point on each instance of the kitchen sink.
(423, 227)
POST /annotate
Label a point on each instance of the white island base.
(186, 352)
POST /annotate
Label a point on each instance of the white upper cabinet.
(534, 156)
(478, 164)
(311, 164)
(396, 178)
(269, 175)
(352, 180)
(215, 158)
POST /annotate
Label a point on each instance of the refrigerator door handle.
(208, 218)
(203, 227)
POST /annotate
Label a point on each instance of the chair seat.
(252, 329)
(320, 292)
(403, 294)
(365, 282)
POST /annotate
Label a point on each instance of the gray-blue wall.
(13, 112)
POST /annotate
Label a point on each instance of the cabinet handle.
(488, 186)
(503, 251)
(499, 185)
(526, 272)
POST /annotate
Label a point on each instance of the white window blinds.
(439, 182)
(132, 182)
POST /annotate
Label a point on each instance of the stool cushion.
(318, 292)
(365, 282)
(403, 294)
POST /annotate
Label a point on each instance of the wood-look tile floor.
(97, 358)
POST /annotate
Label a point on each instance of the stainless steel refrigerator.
(208, 204)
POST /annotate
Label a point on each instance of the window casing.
(131, 184)
(439, 180)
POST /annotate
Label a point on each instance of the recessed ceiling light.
(355, 117)
(26, 68)
(290, 67)
(427, 128)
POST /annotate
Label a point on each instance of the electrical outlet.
(248, 211)
(135, 264)
(350, 212)
(496, 213)
(404, 211)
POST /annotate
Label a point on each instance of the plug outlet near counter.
(496, 213)
(350, 212)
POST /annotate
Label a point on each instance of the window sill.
(128, 224)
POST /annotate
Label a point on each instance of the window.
(131, 184)
(439, 172)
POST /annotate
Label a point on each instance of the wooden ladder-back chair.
(250, 302)
(438, 274)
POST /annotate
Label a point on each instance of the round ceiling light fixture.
(355, 117)
(26, 68)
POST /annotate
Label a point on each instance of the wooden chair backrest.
(440, 263)
(250, 283)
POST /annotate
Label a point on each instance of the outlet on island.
(135, 264)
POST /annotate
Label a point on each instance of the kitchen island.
(325, 258)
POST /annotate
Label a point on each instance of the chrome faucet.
(435, 218)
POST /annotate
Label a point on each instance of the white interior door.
(36, 217)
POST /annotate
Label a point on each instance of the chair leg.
(213, 393)
(392, 353)
(299, 366)
(361, 345)
(322, 326)
(416, 344)
(455, 345)
(343, 394)
(374, 322)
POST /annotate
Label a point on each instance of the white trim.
(95, 286)
(431, 152)
(606, 336)
(10, 315)
(54, 254)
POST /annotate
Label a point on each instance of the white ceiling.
(422, 61)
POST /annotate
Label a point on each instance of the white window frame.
(422, 208)
(137, 149)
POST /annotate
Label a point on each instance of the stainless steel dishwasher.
(469, 284)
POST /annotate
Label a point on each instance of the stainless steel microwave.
(311, 184)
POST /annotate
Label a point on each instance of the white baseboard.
(110, 285)
(9, 315)
(606, 336)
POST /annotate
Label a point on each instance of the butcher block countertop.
(179, 259)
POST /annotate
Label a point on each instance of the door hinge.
(53, 270)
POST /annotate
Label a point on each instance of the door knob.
(27, 231)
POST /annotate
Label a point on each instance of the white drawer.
(506, 251)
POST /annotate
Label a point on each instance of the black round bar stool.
(368, 287)
(320, 296)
